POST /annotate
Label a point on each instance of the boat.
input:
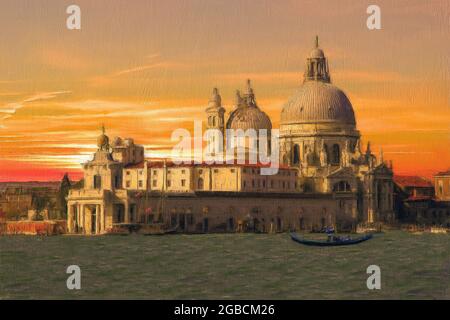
(438, 230)
(157, 229)
(334, 240)
(118, 230)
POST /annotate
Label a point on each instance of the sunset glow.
(145, 68)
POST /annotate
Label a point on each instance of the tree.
(62, 195)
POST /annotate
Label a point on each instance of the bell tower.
(215, 123)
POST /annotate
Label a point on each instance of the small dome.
(117, 142)
(316, 53)
(102, 141)
(317, 101)
(248, 118)
(247, 114)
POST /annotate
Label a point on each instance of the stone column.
(127, 212)
(82, 219)
(78, 216)
(102, 210)
(70, 218)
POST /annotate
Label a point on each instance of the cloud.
(11, 108)
(103, 80)
(145, 67)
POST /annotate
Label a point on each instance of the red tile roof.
(160, 164)
(412, 181)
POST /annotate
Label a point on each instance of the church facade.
(324, 179)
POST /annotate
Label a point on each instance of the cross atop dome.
(317, 65)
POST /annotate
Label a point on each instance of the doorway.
(205, 225)
(94, 221)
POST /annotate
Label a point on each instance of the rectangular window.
(169, 183)
(183, 171)
(232, 170)
(128, 184)
(155, 172)
(128, 173)
(97, 182)
(183, 182)
(140, 183)
(154, 183)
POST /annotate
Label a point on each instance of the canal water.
(223, 266)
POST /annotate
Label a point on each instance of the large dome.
(248, 118)
(317, 101)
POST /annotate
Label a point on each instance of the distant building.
(442, 185)
(16, 201)
(415, 188)
(415, 202)
(18, 198)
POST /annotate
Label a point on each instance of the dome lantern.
(216, 99)
(317, 65)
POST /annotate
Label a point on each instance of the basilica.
(325, 178)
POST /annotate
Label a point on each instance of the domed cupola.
(247, 114)
(317, 65)
(103, 140)
(317, 100)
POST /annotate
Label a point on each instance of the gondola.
(334, 241)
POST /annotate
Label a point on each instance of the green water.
(223, 266)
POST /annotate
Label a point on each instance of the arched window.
(296, 158)
(97, 181)
(200, 185)
(342, 186)
(336, 155)
(214, 121)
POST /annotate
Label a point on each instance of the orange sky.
(144, 68)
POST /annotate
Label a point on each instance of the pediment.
(342, 173)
